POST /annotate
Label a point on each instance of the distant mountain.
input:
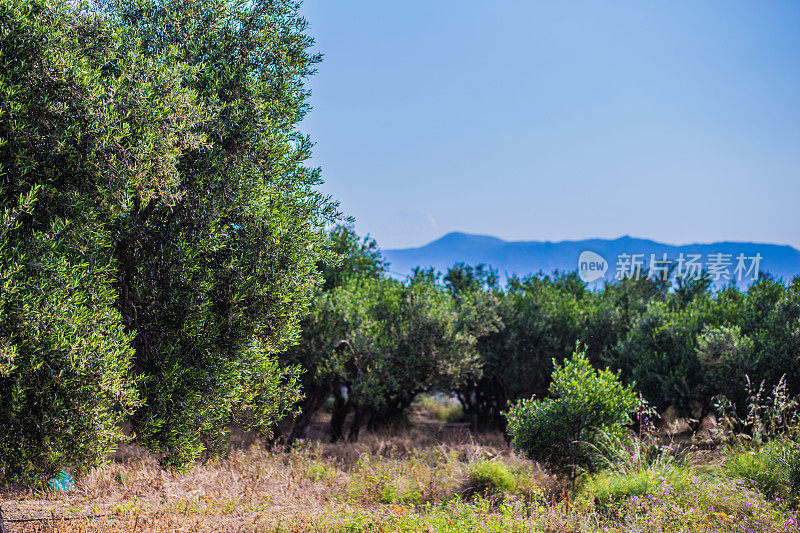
(526, 257)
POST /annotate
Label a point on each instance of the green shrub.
(726, 356)
(773, 470)
(489, 477)
(609, 488)
(585, 404)
(787, 459)
(755, 467)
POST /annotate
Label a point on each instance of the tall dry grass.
(255, 489)
(430, 477)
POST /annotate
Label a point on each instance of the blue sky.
(675, 121)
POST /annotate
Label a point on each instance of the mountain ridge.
(529, 257)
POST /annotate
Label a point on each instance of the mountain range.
(621, 256)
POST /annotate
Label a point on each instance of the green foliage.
(681, 498)
(692, 346)
(756, 467)
(355, 256)
(612, 488)
(773, 469)
(689, 347)
(777, 337)
(659, 353)
(726, 356)
(174, 242)
(686, 347)
(375, 342)
(489, 477)
(65, 358)
(215, 285)
(537, 319)
(787, 461)
(325, 349)
(585, 402)
(409, 337)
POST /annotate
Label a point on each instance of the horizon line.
(627, 236)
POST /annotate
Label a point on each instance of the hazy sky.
(675, 121)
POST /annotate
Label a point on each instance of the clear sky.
(677, 121)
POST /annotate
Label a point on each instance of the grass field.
(434, 477)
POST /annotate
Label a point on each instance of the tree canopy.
(162, 232)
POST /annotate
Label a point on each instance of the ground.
(430, 476)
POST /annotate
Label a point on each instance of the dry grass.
(434, 477)
(254, 489)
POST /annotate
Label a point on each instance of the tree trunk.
(358, 421)
(310, 407)
(340, 408)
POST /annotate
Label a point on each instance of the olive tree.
(585, 405)
(78, 133)
(171, 218)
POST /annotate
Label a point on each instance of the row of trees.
(683, 344)
(159, 231)
(374, 342)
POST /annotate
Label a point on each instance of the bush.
(489, 477)
(725, 355)
(787, 461)
(773, 470)
(585, 404)
(611, 488)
